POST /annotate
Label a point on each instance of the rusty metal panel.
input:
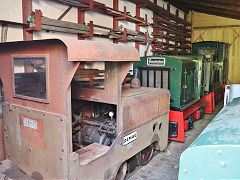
(36, 141)
(60, 72)
(143, 105)
(109, 163)
(83, 50)
(2, 146)
(112, 84)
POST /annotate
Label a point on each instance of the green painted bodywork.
(219, 61)
(204, 72)
(177, 82)
(215, 154)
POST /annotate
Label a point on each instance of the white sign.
(156, 61)
(129, 138)
(30, 123)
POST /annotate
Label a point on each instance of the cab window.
(30, 78)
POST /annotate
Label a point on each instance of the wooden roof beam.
(226, 2)
(210, 4)
(214, 11)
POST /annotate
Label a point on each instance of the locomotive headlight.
(111, 114)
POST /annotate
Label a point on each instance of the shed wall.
(11, 10)
(204, 30)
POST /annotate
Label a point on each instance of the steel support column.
(81, 20)
(115, 22)
(26, 11)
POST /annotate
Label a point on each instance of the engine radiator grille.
(157, 77)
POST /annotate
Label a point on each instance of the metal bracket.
(89, 8)
(145, 40)
(124, 38)
(90, 34)
(145, 22)
(124, 17)
(38, 21)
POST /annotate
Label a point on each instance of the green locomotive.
(215, 64)
(195, 82)
(177, 73)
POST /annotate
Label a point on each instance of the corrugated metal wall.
(214, 28)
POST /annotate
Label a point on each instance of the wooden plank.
(64, 24)
(63, 29)
(13, 23)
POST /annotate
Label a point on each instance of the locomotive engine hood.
(142, 105)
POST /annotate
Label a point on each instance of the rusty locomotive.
(68, 114)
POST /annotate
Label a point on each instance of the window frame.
(28, 56)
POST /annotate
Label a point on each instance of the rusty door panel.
(38, 146)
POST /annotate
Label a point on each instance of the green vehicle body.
(215, 154)
(216, 55)
(184, 85)
(204, 72)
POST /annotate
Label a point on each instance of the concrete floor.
(164, 166)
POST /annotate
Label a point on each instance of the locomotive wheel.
(145, 155)
(122, 172)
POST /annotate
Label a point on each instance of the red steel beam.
(137, 27)
(81, 20)
(26, 11)
(115, 22)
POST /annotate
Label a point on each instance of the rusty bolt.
(62, 150)
(43, 114)
(8, 155)
(30, 149)
(5, 129)
(61, 158)
(61, 119)
(28, 110)
(6, 136)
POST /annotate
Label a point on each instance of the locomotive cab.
(68, 113)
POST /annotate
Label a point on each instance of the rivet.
(30, 149)
(219, 152)
(62, 150)
(8, 155)
(185, 171)
(6, 136)
(61, 158)
(43, 114)
(223, 164)
(28, 110)
(61, 119)
(5, 129)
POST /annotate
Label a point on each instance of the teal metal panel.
(216, 152)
